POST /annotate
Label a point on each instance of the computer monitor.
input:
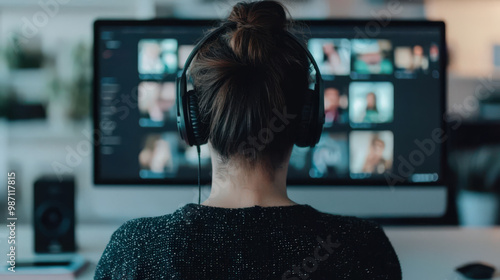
(384, 105)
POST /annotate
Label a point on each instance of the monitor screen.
(384, 91)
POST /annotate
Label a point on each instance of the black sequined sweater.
(283, 242)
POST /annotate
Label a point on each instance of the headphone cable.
(199, 171)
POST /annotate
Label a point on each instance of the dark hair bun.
(262, 16)
(258, 24)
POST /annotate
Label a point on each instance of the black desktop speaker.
(54, 215)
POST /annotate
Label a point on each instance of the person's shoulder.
(351, 229)
(155, 224)
(141, 226)
(345, 223)
(366, 241)
(131, 245)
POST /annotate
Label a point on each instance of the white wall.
(472, 31)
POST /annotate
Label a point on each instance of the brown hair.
(246, 77)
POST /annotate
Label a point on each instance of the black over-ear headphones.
(189, 124)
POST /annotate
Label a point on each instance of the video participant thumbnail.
(371, 102)
(371, 56)
(411, 59)
(157, 56)
(159, 157)
(371, 152)
(156, 102)
(336, 103)
(333, 56)
(330, 157)
(434, 52)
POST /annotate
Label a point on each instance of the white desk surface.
(424, 252)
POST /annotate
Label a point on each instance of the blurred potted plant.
(70, 96)
(80, 87)
(57, 108)
(20, 55)
(478, 198)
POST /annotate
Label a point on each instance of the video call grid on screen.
(384, 104)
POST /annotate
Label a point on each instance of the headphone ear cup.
(194, 116)
(308, 134)
(303, 136)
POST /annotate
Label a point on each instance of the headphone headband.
(220, 29)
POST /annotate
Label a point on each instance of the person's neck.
(239, 187)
